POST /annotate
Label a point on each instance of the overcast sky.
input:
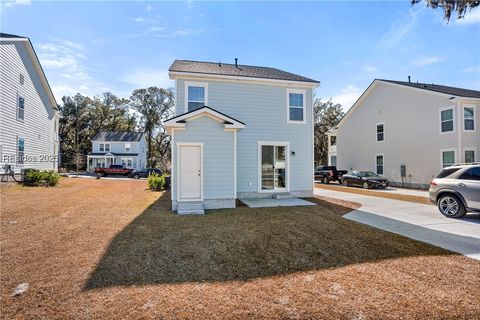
(92, 47)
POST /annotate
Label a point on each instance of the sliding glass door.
(273, 167)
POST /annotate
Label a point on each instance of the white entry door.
(190, 172)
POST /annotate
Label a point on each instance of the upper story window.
(447, 121)
(104, 147)
(469, 118)
(196, 95)
(296, 106)
(21, 108)
(128, 147)
(380, 132)
(333, 140)
(20, 150)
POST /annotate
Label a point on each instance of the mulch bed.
(371, 192)
(113, 250)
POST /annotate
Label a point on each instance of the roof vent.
(236, 62)
(409, 79)
(219, 63)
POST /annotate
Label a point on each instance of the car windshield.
(369, 174)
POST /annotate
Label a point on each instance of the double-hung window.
(104, 147)
(448, 158)
(107, 147)
(21, 108)
(379, 163)
(296, 106)
(447, 120)
(469, 118)
(196, 95)
(128, 147)
(380, 132)
(20, 150)
(469, 154)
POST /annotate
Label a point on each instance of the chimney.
(236, 62)
(409, 79)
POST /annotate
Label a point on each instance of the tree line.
(82, 117)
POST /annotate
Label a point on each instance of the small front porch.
(109, 158)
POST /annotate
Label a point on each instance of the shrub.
(46, 178)
(156, 182)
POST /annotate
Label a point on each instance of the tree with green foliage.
(326, 116)
(450, 6)
(154, 106)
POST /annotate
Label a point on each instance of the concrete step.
(282, 196)
(190, 207)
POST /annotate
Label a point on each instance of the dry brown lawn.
(370, 192)
(112, 250)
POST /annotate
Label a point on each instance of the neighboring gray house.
(28, 110)
(408, 131)
(239, 131)
(127, 148)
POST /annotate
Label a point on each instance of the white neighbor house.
(408, 131)
(239, 132)
(127, 148)
(28, 110)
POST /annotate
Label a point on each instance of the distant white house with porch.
(127, 148)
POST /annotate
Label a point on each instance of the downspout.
(459, 131)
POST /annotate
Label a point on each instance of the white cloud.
(17, 2)
(474, 69)
(369, 69)
(64, 62)
(347, 96)
(149, 8)
(148, 78)
(423, 61)
(399, 29)
(471, 17)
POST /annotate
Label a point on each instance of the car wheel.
(365, 185)
(136, 177)
(325, 180)
(451, 207)
(345, 183)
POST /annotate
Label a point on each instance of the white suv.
(456, 190)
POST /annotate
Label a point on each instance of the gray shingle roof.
(8, 35)
(454, 91)
(241, 70)
(117, 136)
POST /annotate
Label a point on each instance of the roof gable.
(4, 37)
(226, 69)
(118, 136)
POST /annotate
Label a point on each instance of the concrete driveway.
(413, 220)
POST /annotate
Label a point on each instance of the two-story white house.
(114, 147)
(239, 131)
(28, 110)
(408, 131)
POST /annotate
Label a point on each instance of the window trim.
(195, 84)
(298, 91)
(383, 163)
(474, 118)
(18, 107)
(440, 119)
(455, 159)
(22, 162)
(475, 154)
(129, 147)
(376, 131)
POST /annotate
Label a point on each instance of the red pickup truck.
(117, 169)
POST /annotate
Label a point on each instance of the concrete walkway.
(270, 202)
(417, 221)
(392, 190)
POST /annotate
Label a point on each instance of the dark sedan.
(144, 173)
(365, 179)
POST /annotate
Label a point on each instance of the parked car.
(144, 173)
(114, 169)
(365, 179)
(329, 173)
(456, 190)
